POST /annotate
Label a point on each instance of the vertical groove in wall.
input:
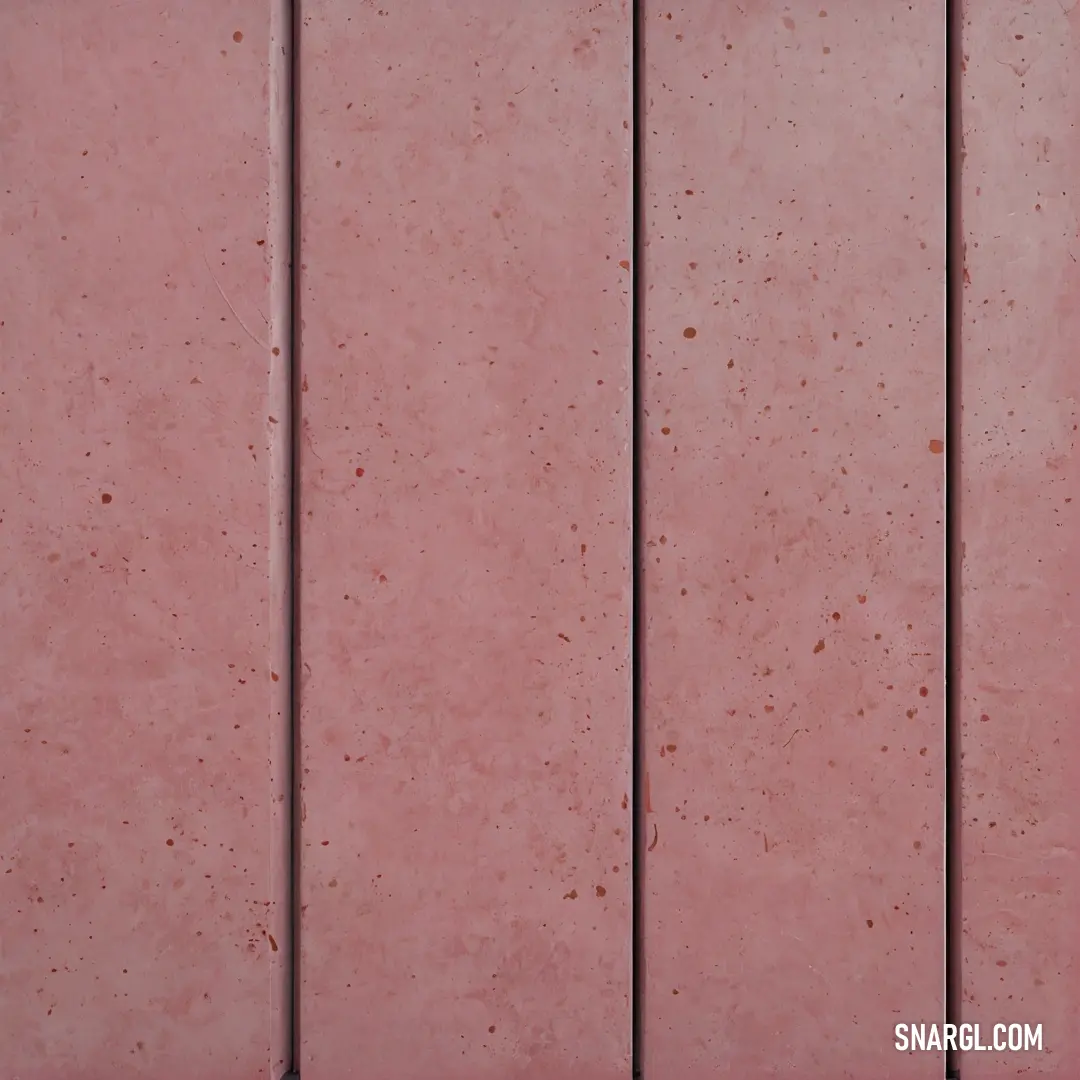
(295, 681)
(637, 307)
(283, 475)
(954, 278)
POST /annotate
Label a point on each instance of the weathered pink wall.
(466, 552)
(465, 542)
(1021, 382)
(794, 396)
(141, 846)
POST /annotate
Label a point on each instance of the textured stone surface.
(1020, 482)
(140, 849)
(466, 541)
(794, 529)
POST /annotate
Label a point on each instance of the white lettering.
(1011, 1038)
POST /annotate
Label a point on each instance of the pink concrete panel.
(465, 544)
(1020, 487)
(794, 395)
(141, 847)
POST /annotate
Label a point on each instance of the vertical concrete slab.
(794, 514)
(141, 856)
(1020, 482)
(465, 540)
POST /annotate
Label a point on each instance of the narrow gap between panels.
(296, 421)
(285, 478)
(954, 291)
(637, 624)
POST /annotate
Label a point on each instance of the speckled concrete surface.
(794, 575)
(1021, 645)
(140, 847)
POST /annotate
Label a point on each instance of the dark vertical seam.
(295, 428)
(637, 347)
(954, 290)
